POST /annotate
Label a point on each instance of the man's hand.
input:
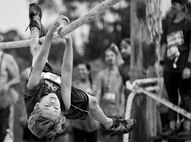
(57, 22)
(186, 73)
(64, 22)
(4, 88)
(115, 48)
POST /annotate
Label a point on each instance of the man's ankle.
(108, 124)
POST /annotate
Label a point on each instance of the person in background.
(125, 51)
(85, 130)
(9, 77)
(176, 58)
(110, 89)
(124, 67)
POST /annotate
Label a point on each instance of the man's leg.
(4, 122)
(36, 28)
(34, 46)
(109, 125)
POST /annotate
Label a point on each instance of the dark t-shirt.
(179, 35)
(33, 96)
(79, 108)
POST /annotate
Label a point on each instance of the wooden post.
(143, 61)
(92, 15)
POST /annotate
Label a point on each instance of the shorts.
(79, 108)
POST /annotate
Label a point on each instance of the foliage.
(101, 33)
(99, 37)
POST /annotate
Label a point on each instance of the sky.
(14, 15)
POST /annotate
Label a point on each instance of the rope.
(135, 88)
(167, 103)
(128, 112)
(147, 91)
(92, 15)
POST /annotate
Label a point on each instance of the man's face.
(176, 7)
(82, 71)
(125, 49)
(110, 57)
(50, 106)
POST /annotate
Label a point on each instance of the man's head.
(178, 5)
(83, 70)
(125, 48)
(45, 120)
(110, 56)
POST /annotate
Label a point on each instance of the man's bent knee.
(93, 103)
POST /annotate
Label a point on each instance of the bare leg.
(36, 28)
(97, 113)
(109, 125)
(34, 44)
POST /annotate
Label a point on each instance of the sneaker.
(35, 16)
(119, 126)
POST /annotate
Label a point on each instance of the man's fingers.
(64, 18)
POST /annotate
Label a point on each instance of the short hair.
(127, 40)
(110, 48)
(42, 126)
(182, 2)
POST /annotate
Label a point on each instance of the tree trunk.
(142, 66)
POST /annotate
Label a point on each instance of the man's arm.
(186, 73)
(66, 73)
(118, 54)
(43, 56)
(13, 71)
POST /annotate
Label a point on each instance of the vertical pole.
(143, 59)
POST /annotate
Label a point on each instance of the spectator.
(124, 67)
(110, 91)
(85, 130)
(125, 50)
(9, 76)
(176, 41)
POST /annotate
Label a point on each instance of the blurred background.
(90, 40)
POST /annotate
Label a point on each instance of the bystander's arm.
(13, 71)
